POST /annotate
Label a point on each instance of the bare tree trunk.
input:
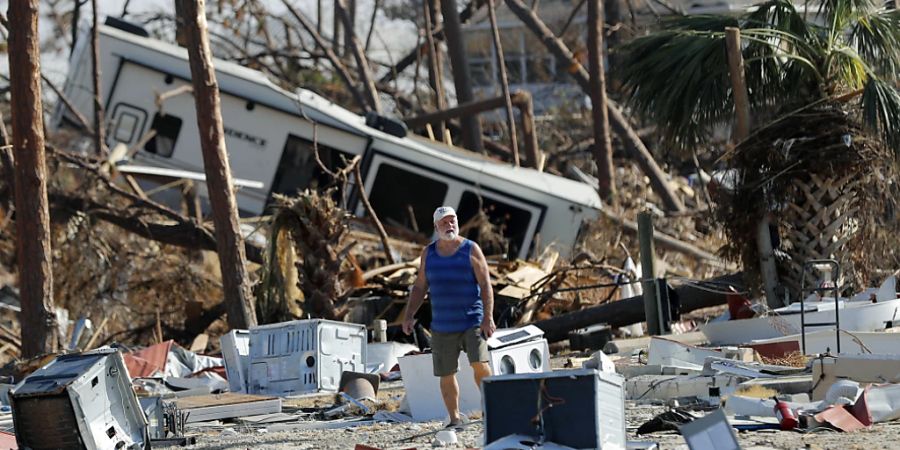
(504, 84)
(232, 259)
(738, 84)
(617, 119)
(349, 23)
(471, 126)
(336, 29)
(76, 16)
(329, 53)
(602, 140)
(99, 134)
(320, 18)
(612, 17)
(375, 7)
(362, 64)
(523, 101)
(32, 214)
(435, 74)
(180, 37)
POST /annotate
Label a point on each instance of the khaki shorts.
(445, 348)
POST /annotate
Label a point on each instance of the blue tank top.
(455, 295)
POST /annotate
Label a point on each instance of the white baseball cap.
(443, 211)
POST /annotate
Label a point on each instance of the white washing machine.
(525, 357)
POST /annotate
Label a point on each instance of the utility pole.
(230, 243)
(648, 274)
(32, 213)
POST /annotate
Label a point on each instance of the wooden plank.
(228, 398)
(202, 408)
(526, 276)
(515, 292)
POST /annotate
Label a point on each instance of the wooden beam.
(631, 310)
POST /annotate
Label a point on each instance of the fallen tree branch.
(666, 241)
(361, 190)
(185, 233)
(136, 217)
(631, 310)
(438, 34)
(362, 63)
(62, 96)
(329, 53)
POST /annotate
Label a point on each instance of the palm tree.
(822, 85)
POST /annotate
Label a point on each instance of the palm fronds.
(881, 109)
(678, 77)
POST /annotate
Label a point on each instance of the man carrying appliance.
(454, 271)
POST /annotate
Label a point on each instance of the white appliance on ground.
(518, 350)
(524, 357)
(510, 351)
(79, 400)
(236, 352)
(303, 356)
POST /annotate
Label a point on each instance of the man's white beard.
(448, 236)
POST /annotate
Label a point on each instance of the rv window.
(167, 128)
(125, 127)
(509, 221)
(297, 169)
(406, 199)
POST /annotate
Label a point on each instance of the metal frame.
(836, 273)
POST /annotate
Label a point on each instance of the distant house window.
(167, 129)
(514, 69)
(539, 69)
(406, 199)
(482, 72)
(298, 170)
(525, 60)
(512, 222)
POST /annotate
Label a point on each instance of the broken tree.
(32, 214)
(599, 112)
(620, 124)
(230, 243)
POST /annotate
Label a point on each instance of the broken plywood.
(202, 408)
(666, 352)
(860, 368)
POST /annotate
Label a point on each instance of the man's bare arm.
(483, 276)
(416, 295)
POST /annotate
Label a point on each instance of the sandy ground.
(394, 436)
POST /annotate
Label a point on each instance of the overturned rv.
(269, 136)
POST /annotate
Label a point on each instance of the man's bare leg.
(482, 370)
(450, 393)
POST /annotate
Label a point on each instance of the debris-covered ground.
(395, 436)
